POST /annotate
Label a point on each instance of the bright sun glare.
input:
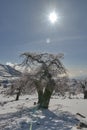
(53, 17)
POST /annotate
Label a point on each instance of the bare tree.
(45, 71)
(84, 87)
(19, 86)
(62, 85)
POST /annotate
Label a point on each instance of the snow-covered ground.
(24, 115)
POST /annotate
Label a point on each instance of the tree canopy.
(45, 70)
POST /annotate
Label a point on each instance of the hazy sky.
(24, 26)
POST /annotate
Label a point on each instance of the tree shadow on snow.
(51, 121)
(35, 119)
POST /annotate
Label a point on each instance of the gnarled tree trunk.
(45, 97)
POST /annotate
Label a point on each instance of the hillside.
(8, 71)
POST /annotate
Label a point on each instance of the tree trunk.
(85, 94)
(39, 91)
(18, 94)
(40, 96)
(44, 95)
(46, 98)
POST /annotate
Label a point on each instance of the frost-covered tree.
(46, 69)
(21, 86)
(84, 87)
(18, 87)
(62, 86)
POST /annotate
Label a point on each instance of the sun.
(53, 17)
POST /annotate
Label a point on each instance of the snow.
(24, 115)
(18, 67)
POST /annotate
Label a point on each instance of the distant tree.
(72, 87)
(46, 69)
(62, 86)
(84, 87)
(79, 86)
(18, 87)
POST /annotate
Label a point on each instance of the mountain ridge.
(8, 71)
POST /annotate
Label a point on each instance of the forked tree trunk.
(46, 98)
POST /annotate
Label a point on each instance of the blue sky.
(24, 26)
